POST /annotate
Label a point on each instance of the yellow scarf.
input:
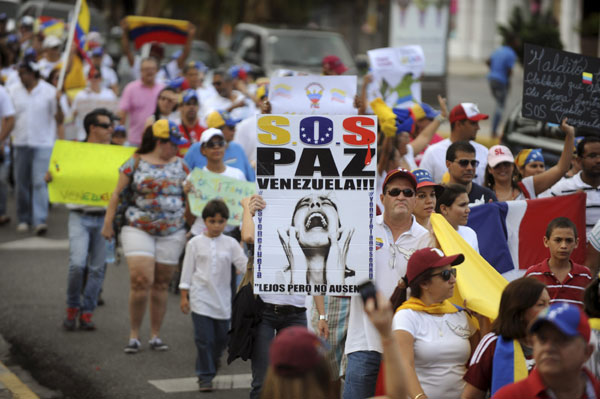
(595, 323)
(436, 308)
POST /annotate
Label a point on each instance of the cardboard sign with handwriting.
(559, 84)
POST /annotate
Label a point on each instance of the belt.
(89, 213)
(283, 309)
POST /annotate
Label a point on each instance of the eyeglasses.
(215, 144)
(465, 162)
(103, 125)
(407, 192)
(446, 274)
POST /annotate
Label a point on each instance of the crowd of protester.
(407, 341)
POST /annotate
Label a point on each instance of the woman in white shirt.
(511, 183)
(453, 205)
(435, 337)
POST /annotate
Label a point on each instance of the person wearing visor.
(190, 123)
(435, 336)
(561, 336)
(153, 237)
(234, 153)
(504, 176)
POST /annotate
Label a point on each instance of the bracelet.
(441, 120)
(422, 394)
(323, 317)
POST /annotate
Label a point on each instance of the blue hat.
(404, 120)
(424, 179)
(569, 319)
(528, 155)
(97, 52)
(188, 95)
(119, 128)
(176, 83)
(430, 113)
(165, 129)
(199, 65)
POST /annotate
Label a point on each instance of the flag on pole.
(144, 30)
(82, 27)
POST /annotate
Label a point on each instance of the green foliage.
(540, 29)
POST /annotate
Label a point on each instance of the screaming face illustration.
(316, 221)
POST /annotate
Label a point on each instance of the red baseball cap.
(429, 258)
(295, 350)
(400, 172)
(335, 64)
(466, 111)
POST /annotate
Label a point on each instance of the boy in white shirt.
(206, 288)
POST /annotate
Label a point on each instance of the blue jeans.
(85, 242)
(4, 166)
(361, 374)
(265, 333)
(210, 336)
(499, 92)
(31, 164)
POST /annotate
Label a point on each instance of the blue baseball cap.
(189, 94)
(569, 319)
(97, 52)
(424, 179)
(176, 83)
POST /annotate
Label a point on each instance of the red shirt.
(570, 290)
(533, 387)
(191, 135)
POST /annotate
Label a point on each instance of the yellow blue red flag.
(82, 27)
(144, 30)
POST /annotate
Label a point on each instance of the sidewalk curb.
(15, 386)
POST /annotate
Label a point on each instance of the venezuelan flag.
(50, 26)
(144, 30)
(587, 78)
(82, 27)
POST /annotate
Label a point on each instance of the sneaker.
(86, 323)
(133, 346)
(41, 229)
(22, 228)
(158, 345)
(70, 322)
(205, 386)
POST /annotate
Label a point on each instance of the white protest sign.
(313, 95)
(87, 105)
(396, 75)
(317, 175)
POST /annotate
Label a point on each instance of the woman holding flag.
(505, 355)
(435, 336)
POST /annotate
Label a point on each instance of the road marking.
(11, 382)
(36, 243)
(222, 382)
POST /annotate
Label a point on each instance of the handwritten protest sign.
(559, 84)
(313, 95)
(85, 173)
(396, 73)
(208, 186)
(317, 176)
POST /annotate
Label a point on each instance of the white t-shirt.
(218, 103)
(9, 76)
(206, 273)
(35, 125)
(571, 186)
(470, 236)
(87, 96)
(6, 105)
(434, 160)
(390, 266)
(245, 135)
(442, 349)
(199, 226)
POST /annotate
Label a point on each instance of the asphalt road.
(33, 277)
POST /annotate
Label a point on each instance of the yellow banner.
(477, 281)
(85, 173)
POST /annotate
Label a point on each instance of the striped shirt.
(572, 185)
(594, 236)
(570, 290)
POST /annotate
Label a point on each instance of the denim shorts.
(164, 249)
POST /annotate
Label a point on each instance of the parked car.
(520, 132)
(62, 11)
(267, 49)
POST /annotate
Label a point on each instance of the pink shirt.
(139, 102)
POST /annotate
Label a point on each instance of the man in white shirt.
(397, 236)
(36, 118)
(232, 101)
(464, 121)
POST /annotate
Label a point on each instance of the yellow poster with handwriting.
(85, 173)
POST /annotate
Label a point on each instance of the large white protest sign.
(317, 176)
(396, 75)
(313, 95)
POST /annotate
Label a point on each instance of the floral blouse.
(158, 203)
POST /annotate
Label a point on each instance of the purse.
(125, 199)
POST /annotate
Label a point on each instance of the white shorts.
(164, 249)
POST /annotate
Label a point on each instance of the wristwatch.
(440, 118)
(323, 317)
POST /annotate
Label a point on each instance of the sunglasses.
(215, 144)
(103, 125)
(465, 162)
(446, 274)
(96, 76)
(407, 192)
